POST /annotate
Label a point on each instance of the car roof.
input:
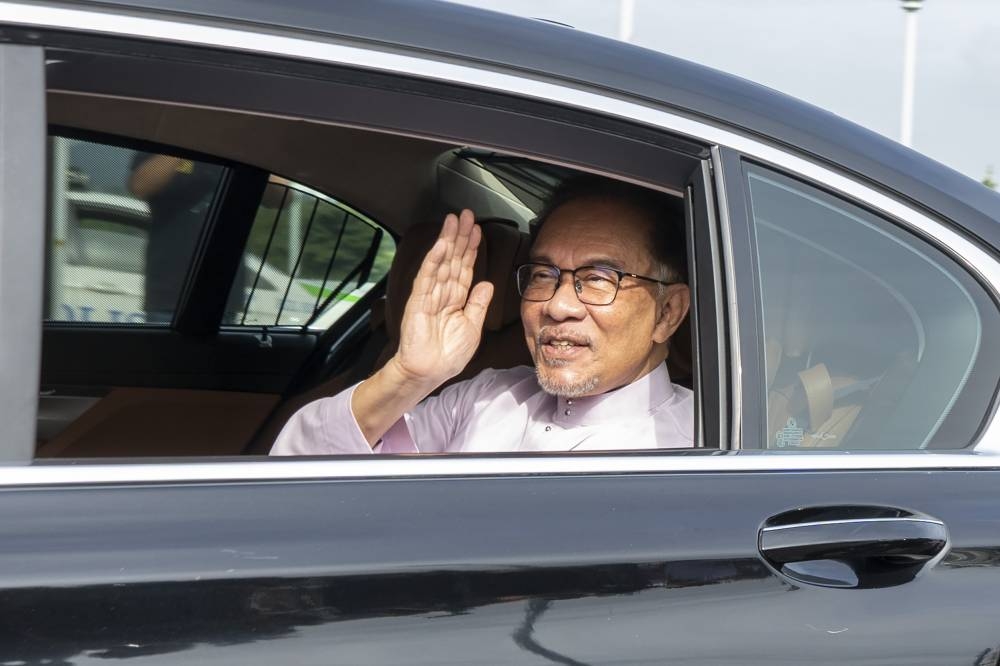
(443, 29)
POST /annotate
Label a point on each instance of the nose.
(564, 304)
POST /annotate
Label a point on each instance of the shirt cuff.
(397, 439)
(327, 427)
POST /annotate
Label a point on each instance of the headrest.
(503, 247)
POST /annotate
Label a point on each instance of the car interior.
(328, 186)
(131, 389)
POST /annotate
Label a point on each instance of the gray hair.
(664, 212)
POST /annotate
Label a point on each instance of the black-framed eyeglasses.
(594, 285)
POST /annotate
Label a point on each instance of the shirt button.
(568, 412)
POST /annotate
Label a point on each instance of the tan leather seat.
(503, 346)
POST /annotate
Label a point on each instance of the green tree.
(988, 179)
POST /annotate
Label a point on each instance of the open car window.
(283, 299)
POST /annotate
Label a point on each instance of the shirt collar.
(636, 400)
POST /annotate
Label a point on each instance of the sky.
(843, 55)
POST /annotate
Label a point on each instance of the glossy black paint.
(581, 570)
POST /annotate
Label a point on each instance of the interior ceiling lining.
(388, 176)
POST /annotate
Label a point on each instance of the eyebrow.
(606, 262)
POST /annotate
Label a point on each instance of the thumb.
(479, 301)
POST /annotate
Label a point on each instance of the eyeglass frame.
(577, 285)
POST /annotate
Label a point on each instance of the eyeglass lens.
(594, 285)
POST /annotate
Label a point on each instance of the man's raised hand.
(441, 328)
(443, 320)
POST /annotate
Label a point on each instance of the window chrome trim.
(22, 197)
(185, 30)
(732, 308)
(851, 521)
(51, 473)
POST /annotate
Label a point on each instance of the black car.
(842, 504)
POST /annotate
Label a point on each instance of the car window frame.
(22, 185)
(689, 158)
(937, 233)
(613, 106)
(916, 242)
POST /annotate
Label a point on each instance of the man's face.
(581, 349)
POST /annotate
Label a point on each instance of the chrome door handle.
(859, 551)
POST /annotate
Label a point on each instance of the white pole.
(910, 8)
(60, 226)
(626, 18)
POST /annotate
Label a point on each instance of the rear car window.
(308, 259)
(123, 226)
(874, 339)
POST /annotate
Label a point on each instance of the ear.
(673, 307)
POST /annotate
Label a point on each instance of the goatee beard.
(576, 389)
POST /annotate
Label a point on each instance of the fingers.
(467, 261)
(479, 302)
(436, 256)
(446, 272)
(466, 225)
(462, 258)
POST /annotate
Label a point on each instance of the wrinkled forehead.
(589, 229)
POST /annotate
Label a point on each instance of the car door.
(719, 555)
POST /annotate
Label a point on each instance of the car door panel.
(572, 569)
(239, 360)
(195, 396)
(146, 422)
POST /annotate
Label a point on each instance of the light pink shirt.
(505, 411)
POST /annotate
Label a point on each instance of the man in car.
(601, 298)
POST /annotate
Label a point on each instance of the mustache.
(547, 334)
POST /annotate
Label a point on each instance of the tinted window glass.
(123, 229)
(873, 338)
(308, 259)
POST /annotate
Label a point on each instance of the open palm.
(443, 320)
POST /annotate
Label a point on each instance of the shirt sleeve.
(328, 426)
(436, 425)
(321, 428)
